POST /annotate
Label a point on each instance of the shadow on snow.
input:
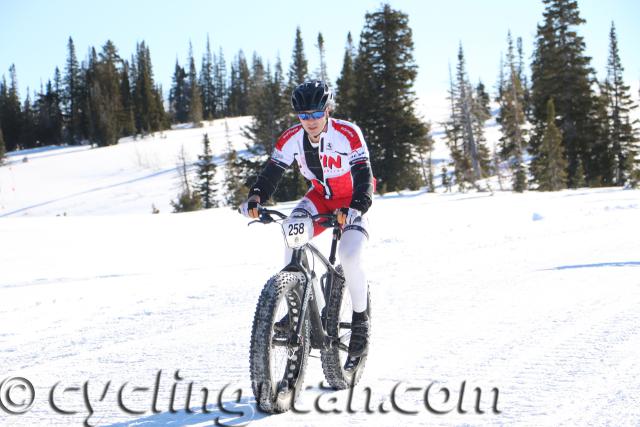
(233, 413)
(599, 264)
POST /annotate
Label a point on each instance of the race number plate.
(297, 230)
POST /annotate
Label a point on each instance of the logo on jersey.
(350, 134)
(331, 162)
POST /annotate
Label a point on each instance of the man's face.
(313, 121)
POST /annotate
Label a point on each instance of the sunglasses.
(315, 115)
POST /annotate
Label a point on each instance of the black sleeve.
(362, 186)
(268, 180)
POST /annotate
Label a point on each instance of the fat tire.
(263, 384)
(332, 366)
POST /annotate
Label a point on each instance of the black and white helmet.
(312, 95)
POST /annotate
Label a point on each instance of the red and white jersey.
(328, 164)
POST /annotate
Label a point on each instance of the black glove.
(361, 202)
(248, 205)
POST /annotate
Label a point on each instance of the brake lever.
(264, 219)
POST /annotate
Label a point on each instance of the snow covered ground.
(533, 298)
(126, 178)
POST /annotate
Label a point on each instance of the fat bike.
(298, 311)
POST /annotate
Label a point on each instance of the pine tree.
(322, 70)
(298, 71)
(550, 165)
(126, 119)
(384, 99)
(526, 92)
(604, 152)
(465, 128)
(519, 176)
(87, 72)
(11, 112)
(238, 99)
(481, 113)
(28, 124)
(464, 104)
(207, 85)
(147, 100)
(561, 70)
(621, 133)
(511, 115)
(188, 199)
(580, 180)
(236, 190)
(57, 116)
(141, 91)
(482, 104)
(100, 96)
(346, 83)
(206, 187)
(455, 139)
(256, 89)
(178, 98)
(72, 94)
(232, 106)
(512, 119)
(444, 176)
(163, 119)
(195, 99)
(103, 99)
(220, 94)
(48, 115)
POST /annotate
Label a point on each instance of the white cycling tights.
(352, 245)
(350, 251)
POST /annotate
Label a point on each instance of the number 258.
(295, 229)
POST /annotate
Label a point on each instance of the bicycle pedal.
(352, 363)
(283, 387)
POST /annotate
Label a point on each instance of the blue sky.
(34, 33)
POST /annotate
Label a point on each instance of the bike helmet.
(312, 95)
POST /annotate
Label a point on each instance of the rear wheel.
(277, 360)
(340, 370)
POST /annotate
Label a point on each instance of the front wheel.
(277, 359)
(340, 371)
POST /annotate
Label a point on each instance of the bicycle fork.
(319, 339)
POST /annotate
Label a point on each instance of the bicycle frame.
(299, 263)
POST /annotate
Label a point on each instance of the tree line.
(577, 130)
(561, 127)
(99, 100)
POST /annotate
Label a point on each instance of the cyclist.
(333, 156)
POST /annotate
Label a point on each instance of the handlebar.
(330, 220)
